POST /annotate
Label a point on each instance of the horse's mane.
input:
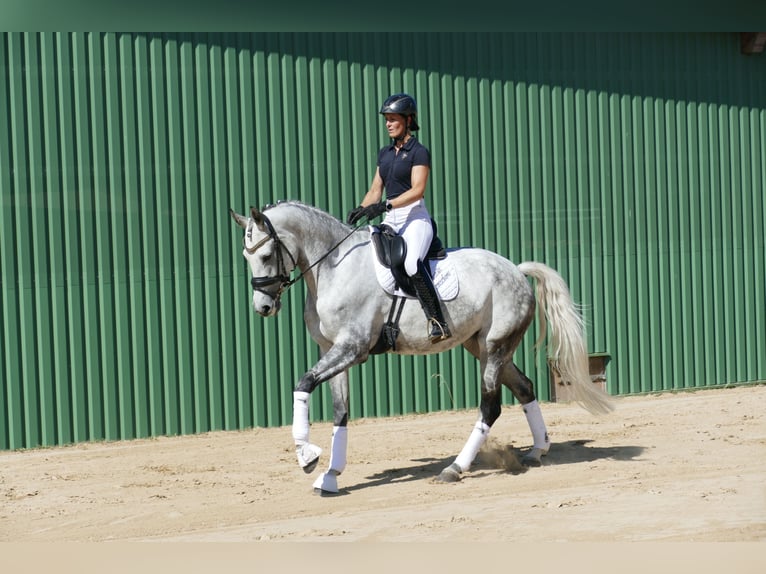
(319, 221)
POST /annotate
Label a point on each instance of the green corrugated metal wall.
(634, 164)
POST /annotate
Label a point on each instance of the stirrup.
(439, 331)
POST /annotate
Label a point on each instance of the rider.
(402, 169)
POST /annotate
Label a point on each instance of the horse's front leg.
(327, 483)
(333, 365)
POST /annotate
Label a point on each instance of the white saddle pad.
(442, 271)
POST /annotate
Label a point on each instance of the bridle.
(282, 277)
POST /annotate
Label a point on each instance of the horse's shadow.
(576, 451)
(493, 458)
(427, 469)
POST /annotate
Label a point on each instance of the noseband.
(282, 277)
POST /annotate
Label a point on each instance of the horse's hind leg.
(523, 389)
(490, 409)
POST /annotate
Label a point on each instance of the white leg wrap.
(478, 436)
(537, 425)
(300, 417)
(306, 452)
(328, 481)
(338, 449)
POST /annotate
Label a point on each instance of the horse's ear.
(240, 220)
(257, 217)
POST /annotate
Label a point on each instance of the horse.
(346, 309)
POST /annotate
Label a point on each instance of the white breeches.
(413, 223)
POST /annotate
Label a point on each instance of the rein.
(282, 278)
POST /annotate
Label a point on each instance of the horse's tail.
(568, 349)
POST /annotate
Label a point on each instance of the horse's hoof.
(450, 474)
(308, 457)
(325, 493)
(534, 457)
(310, 467)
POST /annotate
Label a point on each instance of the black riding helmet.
(402, 104)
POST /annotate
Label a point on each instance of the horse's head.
(265, 253)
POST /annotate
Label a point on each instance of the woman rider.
(402, 170)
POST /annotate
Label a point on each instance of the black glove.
(374, 210)
(370, 212)
(354, 215)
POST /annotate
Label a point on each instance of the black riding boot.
(429, 300)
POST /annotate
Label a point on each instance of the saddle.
(391, 251)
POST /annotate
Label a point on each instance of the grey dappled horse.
(346, 309)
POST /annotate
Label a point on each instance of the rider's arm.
(375, 194)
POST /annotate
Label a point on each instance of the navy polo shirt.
(396, 169)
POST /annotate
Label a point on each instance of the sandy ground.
(674, 467)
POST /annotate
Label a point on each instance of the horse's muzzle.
(258, 284)
(267, 309)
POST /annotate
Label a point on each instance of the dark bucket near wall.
(560, 390)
